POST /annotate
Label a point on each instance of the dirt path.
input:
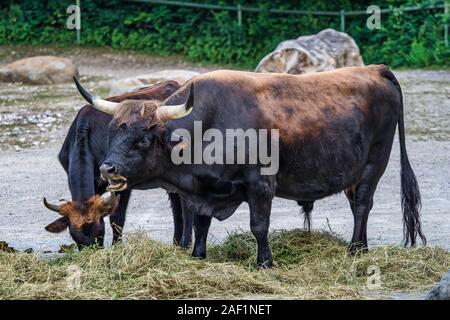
(34, 120)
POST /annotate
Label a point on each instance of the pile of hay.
(307, 266)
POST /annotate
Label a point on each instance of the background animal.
(81, 155)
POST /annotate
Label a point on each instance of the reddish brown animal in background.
(81, 155)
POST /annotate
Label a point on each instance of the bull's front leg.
(188, 217)
(201, 228)
(177, 211)
(260, 197)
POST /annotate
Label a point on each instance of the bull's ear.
(58, 225)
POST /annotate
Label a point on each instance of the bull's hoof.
(116, 241)
(199, 255)
(176, 242)
(357, 248)
(185, 244)
(268, 264)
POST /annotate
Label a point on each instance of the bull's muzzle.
(110, 173)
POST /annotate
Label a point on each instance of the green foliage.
(414, 39)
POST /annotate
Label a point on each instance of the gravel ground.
(35, 119)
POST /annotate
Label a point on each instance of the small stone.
(64, 248)
(4, 246)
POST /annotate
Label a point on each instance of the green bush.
(406, 39)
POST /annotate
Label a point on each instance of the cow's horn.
(166, 113)
(107, 198)
(100, 104)
(53, 207)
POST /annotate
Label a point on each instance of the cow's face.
(136, 137)
(84, 220)
(136, 145)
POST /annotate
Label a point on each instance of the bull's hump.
(302, 105)
(234, 75)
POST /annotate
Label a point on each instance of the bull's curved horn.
(100, 104)
(53, 207)
(166, 113)
(107, 198)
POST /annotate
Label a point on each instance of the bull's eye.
(143, 143)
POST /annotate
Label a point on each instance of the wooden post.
(239, 15)
(446, 7)
(79, 29)
(343, 20)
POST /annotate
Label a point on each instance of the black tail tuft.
(307, 208)
(411, 203)
(410, 193)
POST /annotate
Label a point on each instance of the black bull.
(336, 131)
(82, 153)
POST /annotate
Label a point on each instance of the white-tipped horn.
(107, 198)
(166, 113)
(100, 104)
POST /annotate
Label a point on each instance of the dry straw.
(311, 266)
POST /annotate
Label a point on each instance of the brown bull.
(336, 131)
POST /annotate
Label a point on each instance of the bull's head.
(84, 220)
(138, 141)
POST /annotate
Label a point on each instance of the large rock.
(327, 50)
(130, 84)
(442, 290)
(39, 70)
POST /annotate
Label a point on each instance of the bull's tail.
(410, 194)
(307, 208)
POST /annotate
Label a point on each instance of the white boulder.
(327, 50)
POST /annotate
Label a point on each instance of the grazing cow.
(81, 155)
(336, 131)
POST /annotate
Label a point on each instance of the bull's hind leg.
(259, 198)
(360, 196)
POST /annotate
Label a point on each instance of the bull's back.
(327, 121)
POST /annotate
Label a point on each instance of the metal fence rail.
(341, 14)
